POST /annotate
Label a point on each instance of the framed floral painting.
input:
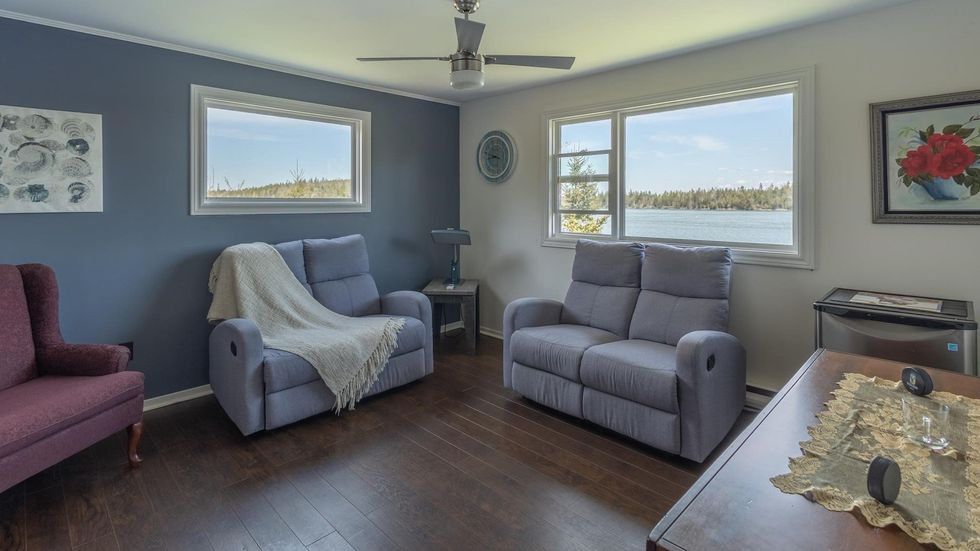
(926, 154)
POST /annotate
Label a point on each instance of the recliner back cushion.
(684, 289)
(292, 253)
(17, 358)
(605, 284)
(339, 275)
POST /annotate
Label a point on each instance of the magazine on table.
(898, 301)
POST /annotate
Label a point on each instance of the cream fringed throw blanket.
(252, 281)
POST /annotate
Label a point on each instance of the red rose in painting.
(917, 161)
(951, 156)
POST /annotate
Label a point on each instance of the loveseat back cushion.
(17, 359)
(605, 284)
(684, 289)
(292, 253)
(339, 275)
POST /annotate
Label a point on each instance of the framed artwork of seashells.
(50, 161)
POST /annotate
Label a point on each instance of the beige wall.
(917, 49)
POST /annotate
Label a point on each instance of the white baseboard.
(484, 330)
(176, 397)
(755, 400)
(452, 326)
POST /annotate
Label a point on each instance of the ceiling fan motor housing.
(466, 6)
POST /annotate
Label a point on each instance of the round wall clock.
(496, 156)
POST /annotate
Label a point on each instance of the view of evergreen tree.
(771, 197)
(582, 195)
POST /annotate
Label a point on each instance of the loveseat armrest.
(412, 304)
(711, 389)
(527, 312)
(82, 359)
(236, 358)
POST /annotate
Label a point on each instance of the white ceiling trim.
(216, 55)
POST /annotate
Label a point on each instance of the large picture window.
(728, 165)
(255, 154)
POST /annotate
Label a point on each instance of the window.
(730, 165)
(253, 154)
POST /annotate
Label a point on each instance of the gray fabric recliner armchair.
(638, 346)
(263, 388)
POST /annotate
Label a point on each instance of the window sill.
(741, 255)
(227, 208)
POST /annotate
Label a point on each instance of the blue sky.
(263, 149)
(744, 142)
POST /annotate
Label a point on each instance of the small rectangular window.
(729, 165)
(262, 155)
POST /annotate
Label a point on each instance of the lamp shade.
(466, 79)
(451, 236)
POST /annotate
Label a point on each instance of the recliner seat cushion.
(45, 405)
(284, 370)
(557, 349)
(638, 370)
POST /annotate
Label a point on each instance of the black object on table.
(467, 295)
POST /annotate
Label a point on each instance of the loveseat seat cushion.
(43, 406)
(638, 370)
(284, 370)
(557, 349)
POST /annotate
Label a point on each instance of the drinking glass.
(926, 422)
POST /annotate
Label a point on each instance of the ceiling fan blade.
(469, 34)
(548, 61)
(403, 59)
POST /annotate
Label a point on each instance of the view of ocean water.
(744, 226)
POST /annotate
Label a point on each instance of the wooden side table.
(467, 295)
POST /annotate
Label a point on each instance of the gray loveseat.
(638, 346)
(263, 388)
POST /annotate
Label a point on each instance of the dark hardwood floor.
(454, 461)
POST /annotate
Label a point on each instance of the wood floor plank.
(453, 461)
(333, 542)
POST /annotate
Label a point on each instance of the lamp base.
(449, 281)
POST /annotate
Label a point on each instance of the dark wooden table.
(467, 295)
(734, 506)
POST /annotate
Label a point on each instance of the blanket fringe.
(365, 378)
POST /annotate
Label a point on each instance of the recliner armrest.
(82, 359)
(711, 389)
(237, 354)
(527, 312)
(412, 304)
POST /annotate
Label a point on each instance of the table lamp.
(454, 237)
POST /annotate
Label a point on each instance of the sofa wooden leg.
(135, 433)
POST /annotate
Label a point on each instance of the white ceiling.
(324, 36)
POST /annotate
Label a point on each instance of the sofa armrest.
(711, 389)
(236, 356)
(412, 304)
(526, 312)
(82, 359)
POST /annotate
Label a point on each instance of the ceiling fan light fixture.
(466, 79)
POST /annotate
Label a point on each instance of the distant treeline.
(314, 188)
(772, 197)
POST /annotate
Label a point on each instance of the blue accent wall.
(138, 271)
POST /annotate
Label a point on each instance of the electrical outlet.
(128, 345)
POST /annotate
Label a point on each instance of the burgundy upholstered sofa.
(56, 399)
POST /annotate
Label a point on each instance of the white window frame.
(203, 97)
(799, 81)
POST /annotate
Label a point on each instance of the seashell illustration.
(9, 122)
(79, 192)
(53, 145)
(14, 182)
(4, 192)
(75, 128)
(35, 193)
(75, 167)
(32, 159)
(35, 125)
(78, 146)
(17, 139)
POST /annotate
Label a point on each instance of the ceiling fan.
(466, 65)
